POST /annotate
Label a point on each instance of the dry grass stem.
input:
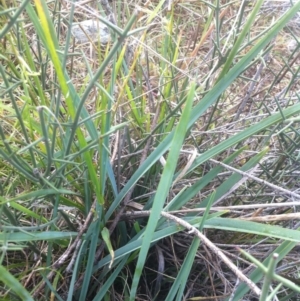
(71, 251)
(215, 249)
(266, 183)
(273, 218)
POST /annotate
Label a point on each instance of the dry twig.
(245, 174)
(74, 247)
(215, 249)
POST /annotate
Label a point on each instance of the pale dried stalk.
(245, 174)
(215, 249)
(74, 246)
(240, 207)
(234, 187)
(138, 214)
(191, 159)
(272, 218)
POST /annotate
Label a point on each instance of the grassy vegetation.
(163, 165)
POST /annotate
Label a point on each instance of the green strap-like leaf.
(163, 188)
(12, 283)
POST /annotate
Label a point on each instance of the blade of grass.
(235, 177)
(189, 193)
(237, 225)
(74, 274)
(182, 277)
(269, 272)
(93, 242)
(35, 236)
(9, 280)
(241, 37)
(232, 55)
(135, 243)
(179, 283)
(269, 277)
(213, 222)
(36, 194)
(163, 188)
(13, 19)
(257, 274)
(109, 282)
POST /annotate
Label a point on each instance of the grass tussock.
(157, 162)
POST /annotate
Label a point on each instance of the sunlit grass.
(190, 106)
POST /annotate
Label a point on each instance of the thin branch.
(273, 218)
(74, 246)
(139, 214)
(245, 174)
(215, 249)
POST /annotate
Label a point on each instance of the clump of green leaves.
(88, 137)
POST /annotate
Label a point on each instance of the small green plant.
(110, 152)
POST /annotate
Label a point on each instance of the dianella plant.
(149, 150)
